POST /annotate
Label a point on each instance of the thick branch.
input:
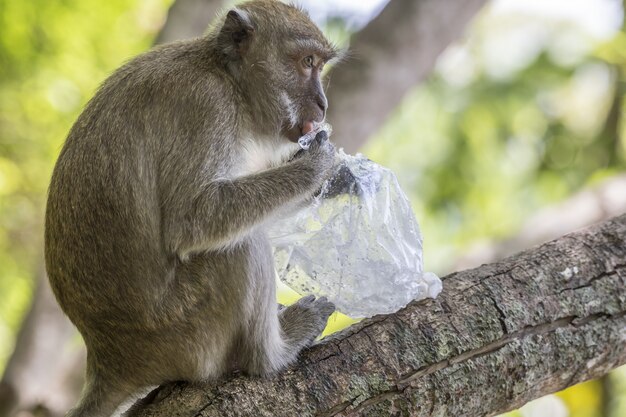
(498, 336)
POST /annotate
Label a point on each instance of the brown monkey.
(155, 242)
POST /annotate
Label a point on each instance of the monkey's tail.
(99, 399)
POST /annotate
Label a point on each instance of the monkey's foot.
(303, 321)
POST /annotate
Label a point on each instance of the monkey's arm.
(223, 211)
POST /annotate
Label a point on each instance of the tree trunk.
(187, 19)
(390, 55)
(46, 369)
(498, 336)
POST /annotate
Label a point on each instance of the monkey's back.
(105, 255)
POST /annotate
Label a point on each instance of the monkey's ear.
(236, 34)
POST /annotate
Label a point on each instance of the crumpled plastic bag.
(358, 243)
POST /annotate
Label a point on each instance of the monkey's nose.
(322, 103)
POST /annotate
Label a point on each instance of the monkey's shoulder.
(185, 69)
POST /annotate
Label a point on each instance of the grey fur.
(155, 242)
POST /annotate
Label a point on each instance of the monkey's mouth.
(296, 132)
(307, 127)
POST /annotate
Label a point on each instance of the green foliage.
(53, 55)
(479, 157)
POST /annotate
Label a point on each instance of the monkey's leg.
(99, 399)
(275, 340)
(271, 340)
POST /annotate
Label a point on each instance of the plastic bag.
(358, 243)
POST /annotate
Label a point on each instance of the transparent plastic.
(306, 140)
(358, 243)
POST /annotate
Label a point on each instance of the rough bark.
(498, 336)
(395, 51)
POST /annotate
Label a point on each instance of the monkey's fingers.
(321, 136)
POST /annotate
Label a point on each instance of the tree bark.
(395, 51)
(498, 336)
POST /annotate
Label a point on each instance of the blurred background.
(503, 121)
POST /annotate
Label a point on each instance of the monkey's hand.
(224, 210)
(320, 157)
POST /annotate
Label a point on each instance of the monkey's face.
(277, 55)
(303, 100)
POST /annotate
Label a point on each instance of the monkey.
(155, 242)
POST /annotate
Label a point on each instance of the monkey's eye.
(308, 61)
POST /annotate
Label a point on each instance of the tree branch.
(497, 337)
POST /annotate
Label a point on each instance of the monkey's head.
(276, 55)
